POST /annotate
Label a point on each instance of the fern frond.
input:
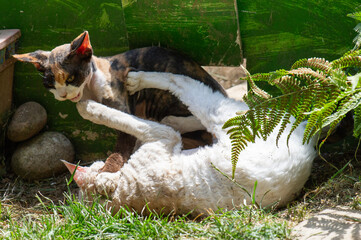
(352, 53)
(314, 90)
(233, 122)
(314, 63)
(347, 61)
(267, 77)
(339, 78)
(315, 120)
(291, 106)
(287, 84)
(254, 88)
(332, 127)
(357, 122)
(350, 102)
(355, 15)
(244, 129)
(302, 72)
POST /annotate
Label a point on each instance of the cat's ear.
(81, 46)
(37, 58)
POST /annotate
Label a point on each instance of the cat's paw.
(134, 82)
(86, 108)
(81, 106)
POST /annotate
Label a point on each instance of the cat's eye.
(70, 79)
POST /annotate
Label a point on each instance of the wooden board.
(206, 30)
(277, 33)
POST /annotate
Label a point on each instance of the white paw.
(134, 82)
(105, 183)
(82, 106)
(86, 108)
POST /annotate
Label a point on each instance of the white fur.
(99, 86)
(183, 124)
(168, 179)
(64, 92)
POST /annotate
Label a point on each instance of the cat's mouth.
(75, 99)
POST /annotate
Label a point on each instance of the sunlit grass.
(76, 220)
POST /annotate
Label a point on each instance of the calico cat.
(72, 72)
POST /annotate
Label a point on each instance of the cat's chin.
(77, 98)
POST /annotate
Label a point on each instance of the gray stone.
(338, 223)
(40, 156)
(27, 121)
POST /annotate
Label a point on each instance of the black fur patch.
(160, 104)
(48, 79)
(115, 65)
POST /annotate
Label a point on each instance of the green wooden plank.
(206, 30)
(277, 33)
(48, 23)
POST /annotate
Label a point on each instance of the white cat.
(167, 178)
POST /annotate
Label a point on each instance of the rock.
(337, 223)
(27, 121)
(40, 156)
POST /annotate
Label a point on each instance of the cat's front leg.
(137, 81)
(91, 110)
(144, 130)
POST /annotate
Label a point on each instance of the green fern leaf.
(314, 90)
(319, 64)
(305, 105)
(314, 122)
(357, 122)
(347, 61)
(356, 15)
(268, 77)
(349, 103)
(332, 127)
(304, 72)
(352, 53)
(256, 90)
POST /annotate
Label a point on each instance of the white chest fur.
(100, 87)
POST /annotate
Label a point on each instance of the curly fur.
(168, 179)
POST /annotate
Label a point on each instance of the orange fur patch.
(60, 75)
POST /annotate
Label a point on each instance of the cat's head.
(66, 69)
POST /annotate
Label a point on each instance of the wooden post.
(8, 40)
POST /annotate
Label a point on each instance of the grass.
(75, 220)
